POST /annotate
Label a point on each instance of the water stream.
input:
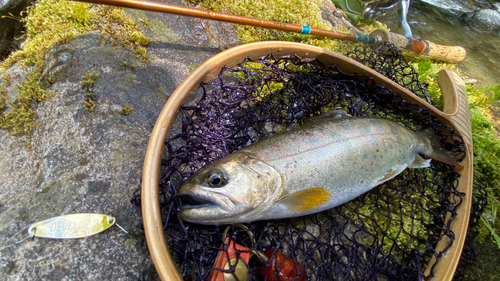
(447, 27)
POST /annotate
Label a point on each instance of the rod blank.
(453, 54)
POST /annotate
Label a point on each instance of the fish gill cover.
(389, 233)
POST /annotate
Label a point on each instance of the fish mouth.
(191, 201)
(197, 199)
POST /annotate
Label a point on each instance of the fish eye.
(216, 179)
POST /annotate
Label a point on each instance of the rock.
(214, 30)
(452, 6)
(331, 14)
(470, 81)
(9, 27)
(496, 6)
(486, 19)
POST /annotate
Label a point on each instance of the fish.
(308, 169)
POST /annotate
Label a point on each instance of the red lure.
(288, 269)
(230, 257)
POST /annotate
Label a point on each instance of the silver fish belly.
(309, 169)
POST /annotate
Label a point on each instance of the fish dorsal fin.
(305, 200)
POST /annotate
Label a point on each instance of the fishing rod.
(420, 47)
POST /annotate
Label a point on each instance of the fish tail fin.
(436, 150)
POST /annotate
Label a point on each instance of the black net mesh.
(388, 233)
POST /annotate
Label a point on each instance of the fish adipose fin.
(305, 200)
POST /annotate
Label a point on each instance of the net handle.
(153, 227)
(456, 108)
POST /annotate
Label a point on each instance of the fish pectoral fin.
(420, 162)
(305, 200)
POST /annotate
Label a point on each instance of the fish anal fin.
(420, 162)
(305, 200)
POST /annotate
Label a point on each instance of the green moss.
(145, 21)
(84, 161)
(372, 25)
(88, 84)
(53, 22)
(51, 79)
(193, 66)
(487, 264)
(256, 73)
(486, 154)
(7, 80)
(126, 110)
(163, 33)
(20, 119)
(3, 98)
(88, 103)
(395, 223)
(160, 92)
(428, 73)
(89, 80)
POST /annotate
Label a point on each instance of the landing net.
(389, 233)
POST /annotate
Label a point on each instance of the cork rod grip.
(427, 49)
(453, 54)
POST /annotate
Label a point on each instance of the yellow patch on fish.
(305, 200)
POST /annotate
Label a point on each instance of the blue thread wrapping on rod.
(358, 37)
(305, 29)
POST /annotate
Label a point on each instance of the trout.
(317, 166)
